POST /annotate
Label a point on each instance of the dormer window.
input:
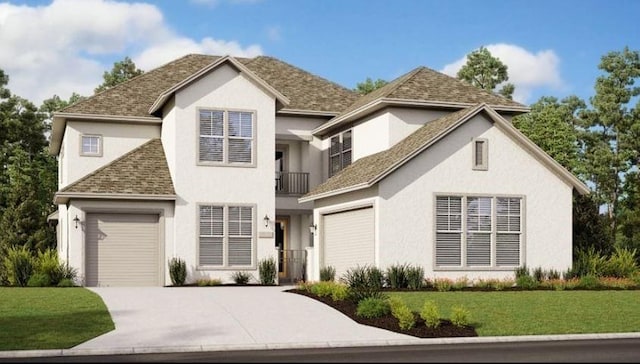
(340, 152)
(480, 154)
(91, 145)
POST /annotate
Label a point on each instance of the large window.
(226, 235)
(340, 152)
(226, 137)
(478, 231)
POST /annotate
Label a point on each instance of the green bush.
(68, 272)
(375, 276)
(39, 280)
(373, 307)
(337, 291)
(522, 271)
(340, 292)
(443, 284)
(460, 283)
(241, 278)
(205, 282)
(430, 314)
(397, 276)
(553, 274)
(400, 310)
(526, 282)
(538, 274)
(268, 271)
(363, 282)
(415, 277)
(19, 265)
(327, 273)
(621, 264)
(589, 262)
(589, 281)
(47, 263)
(460, 316)
(66, 282)
(177, 271)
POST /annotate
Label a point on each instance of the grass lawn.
(539, 312)
(50, 318)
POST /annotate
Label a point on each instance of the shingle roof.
(135, 96)
(425, 84)
(142, 171)
(368, 169)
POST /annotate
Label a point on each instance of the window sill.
(225, 268)
(475, 269)
(233, 165)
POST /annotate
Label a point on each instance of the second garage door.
(122, 250)
(349, 239)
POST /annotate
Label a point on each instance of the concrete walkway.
(189, 319)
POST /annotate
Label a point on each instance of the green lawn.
(539, 312)
(50, 318)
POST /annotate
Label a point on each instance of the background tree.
(611, 148)
(120, 72)
(486, 72)
(369, 85)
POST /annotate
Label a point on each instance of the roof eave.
(64, 197)
(340, 191)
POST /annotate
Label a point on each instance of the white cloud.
(61, 48)
(527, 70)
(214, 3)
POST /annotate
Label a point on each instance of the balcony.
(292, 183)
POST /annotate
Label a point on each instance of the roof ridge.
(122, 157)
(407, 76)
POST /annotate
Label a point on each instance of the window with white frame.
(226, 137)
(478, 231)
(91, 145)
(340, 152)
(226, 235)
(480, 154)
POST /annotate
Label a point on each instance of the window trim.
(100, 145)
(225, 237)
(484, 166)
(341, 153)
(225, 146)
(463, 250)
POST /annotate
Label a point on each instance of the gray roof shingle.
(142, 171)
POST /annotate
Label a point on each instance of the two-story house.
(180, 162)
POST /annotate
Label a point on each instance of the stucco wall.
(224, 88)
(117, 139)
(407, 200)
(403, 121)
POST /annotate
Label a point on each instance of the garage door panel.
(349, 239)
(122, 250)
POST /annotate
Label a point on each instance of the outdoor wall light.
(76, 219)
(266, 221)
(313, 228)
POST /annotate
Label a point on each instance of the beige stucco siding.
(407, 199)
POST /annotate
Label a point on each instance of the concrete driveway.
(149, 319)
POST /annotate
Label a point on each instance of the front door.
(281, 245)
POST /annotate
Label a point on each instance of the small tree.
(177, 271)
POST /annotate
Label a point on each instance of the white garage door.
(122, 250)
(348, 239)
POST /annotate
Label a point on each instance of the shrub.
(68, 272)
(589, 262)
(340, 292)
(375, 277)
(553, 274)
(460, 283)
(400, 310)
(621, 264)
(397, 276)
(443, 284)
(337, 291)
(39, 280)
(617, 283)
(460, 316)
(48, 264)
(177, 271)
(484, 283)
(19, 265)
(526, 282)
(327, 273)
(268, 271)
(430, 314)
(522, 271)
(209, 282)
(415, 277)
(555, 284)
(241, 278)
(363, 282)
(373, 307)
(501, 284)
(589, 281)
(538, 274)
(66, 282)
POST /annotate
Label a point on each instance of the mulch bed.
(388, 322)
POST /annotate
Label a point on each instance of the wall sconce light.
(76, 219)
(313, 228)
(266, 221)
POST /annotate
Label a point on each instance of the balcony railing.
(292, 183)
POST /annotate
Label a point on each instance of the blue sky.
(551, 47)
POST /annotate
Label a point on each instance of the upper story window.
(340, 152)
(480, 154)
(226, 137)
(91, 145)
